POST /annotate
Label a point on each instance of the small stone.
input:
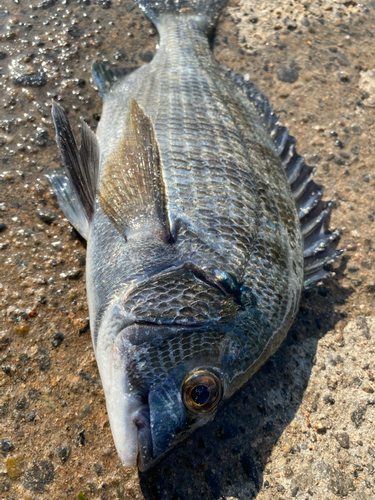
(314, 159)
(81, 438)
(355, 234)
(46, 215)
(46, 4)
(367, 388)
(22, 328)
(3, 226)
(5, 486)
(280, 488)
(294, 491)
(43, 359)
(98, 468)
(338, 143)
(63, 453)
(358, 414)
(339, 161)
(6, 445)
(41, 137)
(74, 274)
(104, 4)
(33, 395)
(41, 473)
(320, 428)
(353, 269)
(15, 466)
(31, 417)
(343, 77)
(21, 403)
(57, 339)
(288, 471)
(85, 328)
(85, 412)
(287, 74)
(356, 130)
(328, 399)
(36, 79)
(7, 370)
(343, 439)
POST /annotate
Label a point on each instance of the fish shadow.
(228, 457)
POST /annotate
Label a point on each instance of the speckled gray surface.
(304, 425)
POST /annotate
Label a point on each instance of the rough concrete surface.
(304, 426)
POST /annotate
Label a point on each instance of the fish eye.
(201, 391)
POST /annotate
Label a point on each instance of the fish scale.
(194, 214)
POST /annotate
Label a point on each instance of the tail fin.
(205, 12)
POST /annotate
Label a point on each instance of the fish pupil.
(200, 394)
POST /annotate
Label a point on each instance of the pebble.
(63, 453)
(357, 415)
(104, 4)
(39, 475)
(6, 445)
(343, 439)
(98, 468)
(287, 74)
(21, 403)
(15, 466)
(57, 339)
(81, 438)
(7, 370)
(74, 274)
(30, 417)
(33, 394)
(37, 79)
(43, 359)
(3, 226)
(46, 215)
(41, 137)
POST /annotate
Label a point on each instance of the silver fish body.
(195, 255)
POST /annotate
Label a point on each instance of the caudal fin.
(205, 12)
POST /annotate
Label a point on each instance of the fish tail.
(205, 12)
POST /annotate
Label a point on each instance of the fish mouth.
(141, 419)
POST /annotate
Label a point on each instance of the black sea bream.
(203, 226)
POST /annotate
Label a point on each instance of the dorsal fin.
(105, 77)
(312, 211)
(131, 189)
(81, 165)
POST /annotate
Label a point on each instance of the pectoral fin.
(131, 190)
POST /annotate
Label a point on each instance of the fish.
(203, 226)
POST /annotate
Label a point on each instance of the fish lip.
(141, 419)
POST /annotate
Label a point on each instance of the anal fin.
(131, 189)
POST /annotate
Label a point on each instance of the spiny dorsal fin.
(105, 77)
(81, 165)
(312, 211)
(131, 189)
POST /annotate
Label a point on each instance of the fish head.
(169, 360)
